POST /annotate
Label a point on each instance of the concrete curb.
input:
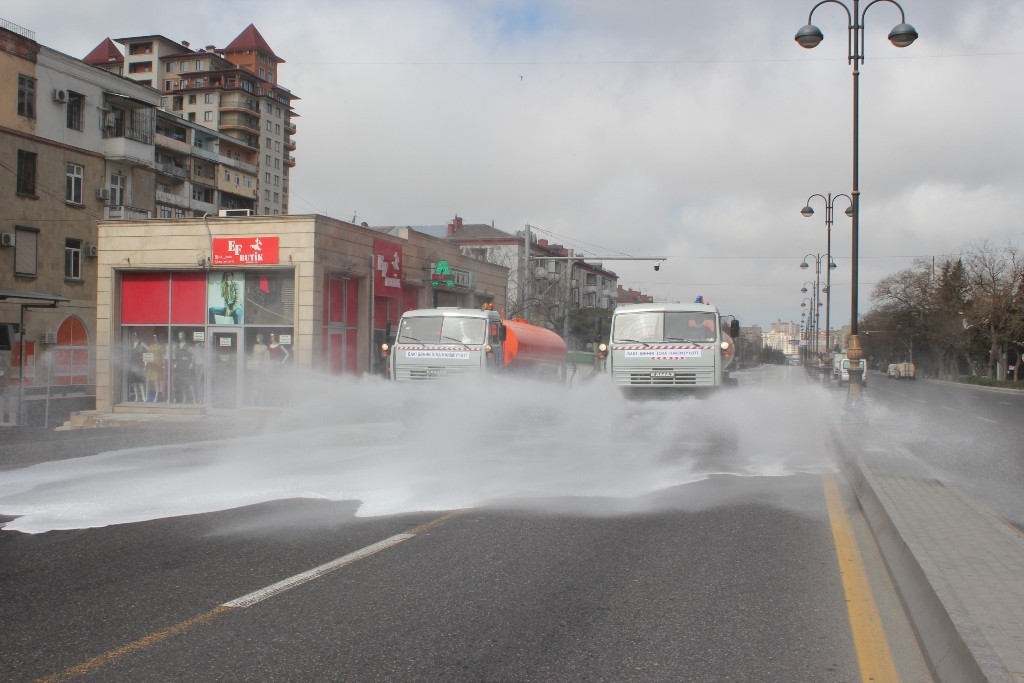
(953, 645)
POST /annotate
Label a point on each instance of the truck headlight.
(725, 346)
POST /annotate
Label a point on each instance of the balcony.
(171, 170)
(172, 199)
(206, 207)
(290, 128)
(289, 161)
(168, 142)
(207, 154)
(240, 165)
(129, 151)
(126, 213)
(289, 145)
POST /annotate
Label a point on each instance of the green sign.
(442, 275)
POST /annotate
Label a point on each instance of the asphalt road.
(730, 577)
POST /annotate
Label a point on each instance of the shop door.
(226, 371)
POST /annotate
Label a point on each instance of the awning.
(32, 296)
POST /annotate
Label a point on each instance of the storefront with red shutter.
(214, 314)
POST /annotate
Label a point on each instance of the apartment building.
(245, 162)
(70, 135)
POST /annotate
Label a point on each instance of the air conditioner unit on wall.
(48, 338)
(60, 95)
(6, 239)
(90, 250)
(234, 213)
(103, 193)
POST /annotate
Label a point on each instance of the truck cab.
(657, 349)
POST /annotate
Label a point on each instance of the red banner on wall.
(244, 251)
(387, 269)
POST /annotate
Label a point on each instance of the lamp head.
(832, 265)
(804, 265)
(803, 290)
(901, 35)
(807, 211)
(849, 211)
(810, 35)
(657, 266)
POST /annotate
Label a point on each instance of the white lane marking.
(948, 408)
(316, 572)
(1004, 403)
(995, 422)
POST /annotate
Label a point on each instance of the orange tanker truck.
(436, 342)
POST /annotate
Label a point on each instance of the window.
(72, 259)
(165, 212)
(277, 146)
(269, 142)
(267, 176)
(199, 65)
(76, 107)
(207, 116)
(26, 96)
(26, 172)
(266, 194)
(191, 99)
(208, 98)
(277, 198)
(227, 175)
(277, 180)
(169, 67)
(118, 187)
(270, 127)
(182, 67)
(25, 241)
(73, 189)
(277, 127)
(268, 159)
(277, 163)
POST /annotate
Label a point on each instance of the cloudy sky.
(690, 130)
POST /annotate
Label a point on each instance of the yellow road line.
(91, 665)
(873, 654)
(112, 656)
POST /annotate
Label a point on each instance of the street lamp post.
(807, 212)
(808, 303)
(809, 36)
(814, 304)
(817, 287)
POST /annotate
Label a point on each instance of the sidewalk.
(958, 568)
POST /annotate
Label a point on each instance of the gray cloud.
(686, 129)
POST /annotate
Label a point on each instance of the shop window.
(72, 355)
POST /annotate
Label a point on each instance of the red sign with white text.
(387, 269)
(244, 251)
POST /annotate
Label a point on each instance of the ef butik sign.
(245, 251)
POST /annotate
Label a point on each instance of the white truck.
(655, 349)
(436, 342)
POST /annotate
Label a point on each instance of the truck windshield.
(665, 326)
(441, 330)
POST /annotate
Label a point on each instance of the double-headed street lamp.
(807, 212)
(814, 309)
(902, 35)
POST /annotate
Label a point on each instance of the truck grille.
(656, 377)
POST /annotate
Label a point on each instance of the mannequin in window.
(155, 374)
(182, 369)
(279, 354)
(136, 368)
(259, 363)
